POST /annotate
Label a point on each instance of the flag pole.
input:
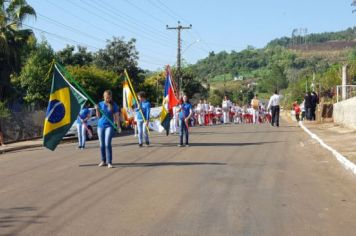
(85, 94)
(135, 97)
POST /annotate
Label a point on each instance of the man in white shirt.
(273, 104)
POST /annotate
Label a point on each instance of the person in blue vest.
(143, 118)
(106, 128)
(82, 127)
(185, 113)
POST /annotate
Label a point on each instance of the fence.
(344, 92)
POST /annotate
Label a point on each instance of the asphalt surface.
(232, 180)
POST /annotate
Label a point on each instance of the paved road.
(233, 180)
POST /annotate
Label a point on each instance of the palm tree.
(12, 38)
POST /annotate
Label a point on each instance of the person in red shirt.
(296, 108)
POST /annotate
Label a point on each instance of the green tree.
(95, 81)
(12, 39)
(81, 57)
(117, 56)
(34, 81)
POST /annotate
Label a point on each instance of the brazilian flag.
(65, 103)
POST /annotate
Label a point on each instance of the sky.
(216, 25)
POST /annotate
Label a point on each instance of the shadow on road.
(158, 164)
(230, 144)
(245, 132)
(12, 218)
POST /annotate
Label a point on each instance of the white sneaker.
(110, 166)
(180, 145)
(102, 164)
(187, 145)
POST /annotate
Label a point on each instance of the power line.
(148, 14)
(68, 27)
(114, 10)
(75, 16)
(184, 20)
(75, 30)
(114, 23)
(61, 37)
(65, 39)
(127, 20)
(162, 9)
(175, 16)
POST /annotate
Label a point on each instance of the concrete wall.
(23, 125)
(344, 113)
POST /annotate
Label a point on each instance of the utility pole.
(179, 28)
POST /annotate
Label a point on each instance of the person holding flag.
(169, 101)
(185, 112)
(105, 127)
(65, 103)
(143, 118)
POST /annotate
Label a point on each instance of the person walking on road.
(273, 104)
(143, 118)
(308, 106)
(185, 112)
(255, 104)
(296, 109)
(226, 105)
(314, 102)
(200, 112)
(82, 127)
(105, 127)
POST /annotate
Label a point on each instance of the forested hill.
(247, 61)
(285, 63)
(299, 37)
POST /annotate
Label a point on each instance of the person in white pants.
(200, 111)
(255, 105)
(82, 120)
(226, 104)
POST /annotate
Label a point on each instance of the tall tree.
(34, 81)
(117, 56)
(68, 56)
(12, 39)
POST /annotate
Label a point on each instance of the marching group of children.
(108, 113)
(205, 114)
(184, 115)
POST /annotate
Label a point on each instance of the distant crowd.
(307, 109)
(205, 114)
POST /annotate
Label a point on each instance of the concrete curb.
(346, 163)
(12, 149)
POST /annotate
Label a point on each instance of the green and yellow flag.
(65, 103)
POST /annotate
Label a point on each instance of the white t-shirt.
(226, 104)
(199, 108)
